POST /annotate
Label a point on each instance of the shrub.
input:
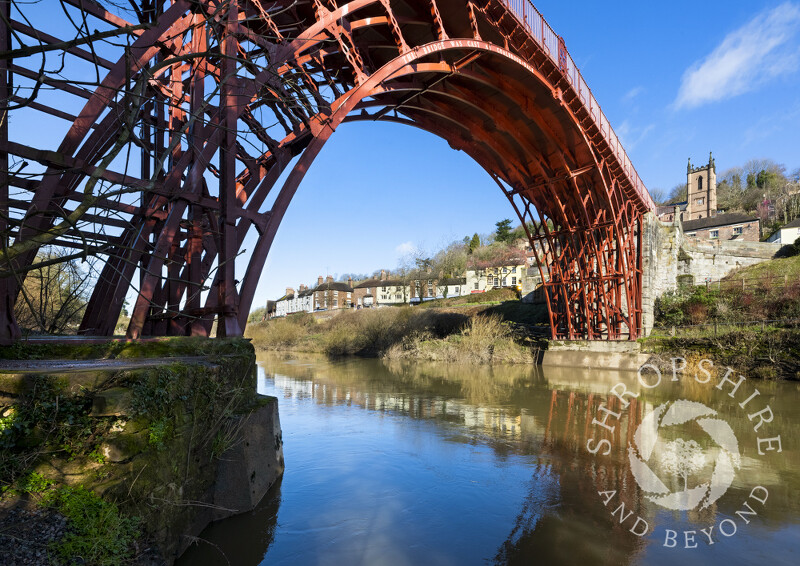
(669, 309)
(277, 333)
(789, 250)
(98, 533)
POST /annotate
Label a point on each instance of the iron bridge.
(181, 127)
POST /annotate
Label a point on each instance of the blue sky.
(677, 80)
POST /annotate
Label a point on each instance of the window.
(700, 201)
(505, 270)
(336, 293)
(476, 285)
(514, 269)
(456, 290)
(504, 282)
(699, 183)
(737, 230)
(513, 280)
(430, 282)
(713, 234)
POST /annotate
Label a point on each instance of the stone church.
(699, 214)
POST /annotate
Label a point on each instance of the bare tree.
(136, 166)
(54, 295)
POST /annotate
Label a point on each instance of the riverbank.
(705, 322)
(495, 330)
(116, 457)
(766, 353)
(748, 320)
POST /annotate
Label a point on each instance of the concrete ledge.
(599, 346)
(624, 361)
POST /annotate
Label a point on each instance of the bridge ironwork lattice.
(226, 103)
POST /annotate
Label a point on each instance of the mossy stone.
(114, 402)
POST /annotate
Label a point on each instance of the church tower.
(701, 185)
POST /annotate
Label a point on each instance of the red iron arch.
(489, 77)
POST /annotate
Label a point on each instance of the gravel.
(26, 533)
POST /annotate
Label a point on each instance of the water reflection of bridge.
(546, 415)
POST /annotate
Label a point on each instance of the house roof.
(718, 220)
(285, 298)
(666, 208)
(335, 286)
(793, 224)
(454, 281)
(378, 283)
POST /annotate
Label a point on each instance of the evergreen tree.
(474, 243)
(503, 232)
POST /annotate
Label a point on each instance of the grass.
(492, 297)
(750, 326)
(478, 334)
(781, 268)
(98, 533)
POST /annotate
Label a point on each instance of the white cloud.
(406, 248)
(760, 50)
(633, 93)
(631, 136)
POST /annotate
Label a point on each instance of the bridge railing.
(553, 45)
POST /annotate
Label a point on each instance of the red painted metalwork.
(220, 98)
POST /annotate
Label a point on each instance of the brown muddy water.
(391, 463)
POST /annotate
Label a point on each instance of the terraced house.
(383, 290)
(332, 295)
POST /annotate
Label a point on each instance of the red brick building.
(732, 226)
(332, 295)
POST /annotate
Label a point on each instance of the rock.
(114, 402)
(251, 466)
(124, 446)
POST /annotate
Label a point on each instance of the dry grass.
(280, 333)
(404, 332)
(485, 339)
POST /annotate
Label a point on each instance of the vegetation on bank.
(460, 329)
(768, 291)
(125, 470)
(748, 321)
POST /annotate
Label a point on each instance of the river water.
(391, 463)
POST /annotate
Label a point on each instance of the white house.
(292, 302)
(786, 234)
(453, 287)
(480, 280)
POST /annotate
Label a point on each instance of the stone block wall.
(668, 254)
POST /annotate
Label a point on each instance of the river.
(394, 463)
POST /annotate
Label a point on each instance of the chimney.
(319, 280)
(350, 282)
(383, 274)
(289, 291)
(329, 279)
